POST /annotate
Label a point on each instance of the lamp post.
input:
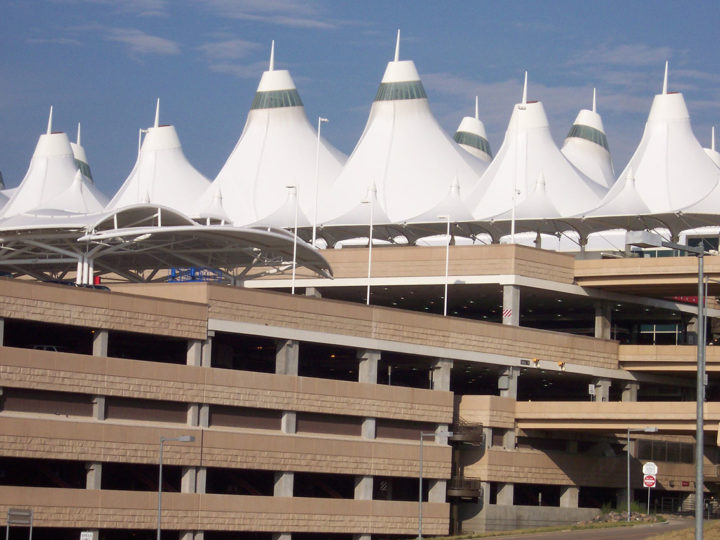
(649, 239)
(372, 193)
(447, 262)
(294, 191)
(651, 429)
(163, 440)
(424, 434)
(317, 176)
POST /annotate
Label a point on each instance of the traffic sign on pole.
(649, 480)
(650, 468)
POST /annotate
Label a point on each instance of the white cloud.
(229, 49)
(138, 42)
(53, 41)
(629, 55)
(241, 71)
(279, 12)
(142, 8)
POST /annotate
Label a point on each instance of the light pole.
(317, 176)
(163, 440)
(372, 191)
(424, 434)
(649, 239)
(447, 262)
(294, 191)
(651, 429)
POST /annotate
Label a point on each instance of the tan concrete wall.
(667, 358)
(490, 411)
(101, 309)
(343, 318)
(27, 368)
(21, 436)
(498, 518)
(494, 259)
(93, 509)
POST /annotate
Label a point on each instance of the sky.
(105, 62)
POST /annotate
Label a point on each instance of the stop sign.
(649, 480)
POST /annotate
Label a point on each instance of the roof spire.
(524, 98)
(78, 135)
(477, 113)
(157, 113)
(272, 56)
(666, 78)
(712, 139)
(49, 128)
(594, 109)
(397, 46)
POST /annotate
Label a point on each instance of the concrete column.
(284, 484)
(282, 536)
(100, 343)
(511, 305)
(93, 475)
(2, 332)
(188, 480)
(603, 320)
(364, 488)
(95, 533)
(441, 369)
(206, 352)
(507, 382)
(569, 496)
(286, 357)
(484, 494)
(621, 499)
(487, 435)
(203, 415)
(437, 491)
(194, 352)
(312, 291)
(193, 414)
(368, 428)
(200, 479)
(602, 389)
(630, 391)
(288, 422)
(98, 407)
(361, 537)
(368, 366)
(505, 494)
(509, 439)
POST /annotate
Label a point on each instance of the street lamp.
(447, 262)
(649, 239)
(317, 176)
(424, 434)
(294, 191)
(163, 440)
(371, 195)
(651, 429)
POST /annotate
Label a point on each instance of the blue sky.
(104, 62)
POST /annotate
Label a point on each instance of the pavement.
(636, 532)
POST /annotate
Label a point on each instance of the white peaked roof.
(403, 151)
(528, 153)
(287, 214)
(54, 181)
(80, 156)
(162, 174)
(471, 136)
(586, 147)
(714, 154)
(670, 168)
(278, 147)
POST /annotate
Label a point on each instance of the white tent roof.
(278, 147)
(54, 181)
(714, 154)
(403, 151)
(670, 168)
(162, 174)
(471, 136)
(80, 156)
(586, 147)
(527, 154)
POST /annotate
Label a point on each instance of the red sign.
(649, 480)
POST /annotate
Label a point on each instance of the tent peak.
(524, 94)
(157, 113)
(594, 105)
(49, 124)
(397, 46)
(271, 67)
(477, 110)
(665, 79)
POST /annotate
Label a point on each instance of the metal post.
(648, 510)
(447, 266)
(159, 516)
(627, 453)
(700, 398)
(370, 243)
(317, 177)
(422, 436)
(294, 262)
